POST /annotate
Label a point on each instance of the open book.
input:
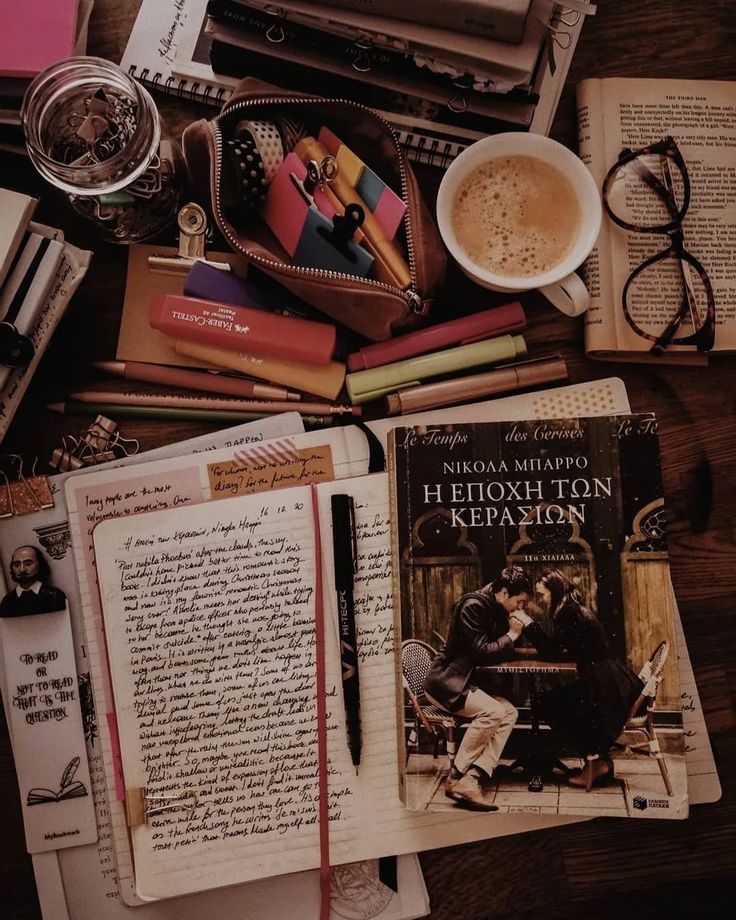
(700, 115)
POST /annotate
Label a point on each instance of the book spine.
(502, 20)
(396, 597)
(237, 60)
(365, 57)
(600, 329)
(327, 19)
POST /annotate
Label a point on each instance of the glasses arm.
(665, 190)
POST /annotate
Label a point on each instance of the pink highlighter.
(241, 329)
(502, 320)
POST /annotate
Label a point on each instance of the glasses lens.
(647, 192)
(658, 293)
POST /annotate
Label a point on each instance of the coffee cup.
(520, 212)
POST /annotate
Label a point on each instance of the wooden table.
(600, 868)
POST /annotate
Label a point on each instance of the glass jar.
(96, 134)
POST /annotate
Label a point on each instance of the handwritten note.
(211, 633)
(257, 473)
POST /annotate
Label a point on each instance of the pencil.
(74, 407)
(197, 401)
(195, 380)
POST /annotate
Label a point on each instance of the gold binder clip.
(21, 494)
(140, 806)
(192, 222)
(101, 442)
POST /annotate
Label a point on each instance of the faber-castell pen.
(195, 380)
(345, 559)
(199, 401)
(72, 407)
(465, 389)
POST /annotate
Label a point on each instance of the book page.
(701, 116)
(211, 637)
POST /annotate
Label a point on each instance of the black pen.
(345, 557)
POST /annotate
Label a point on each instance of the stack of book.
(39, 272)
(441, 82)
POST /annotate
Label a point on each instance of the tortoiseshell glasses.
(669, 298)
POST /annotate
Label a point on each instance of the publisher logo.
(640, 803)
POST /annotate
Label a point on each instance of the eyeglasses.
(669, 298)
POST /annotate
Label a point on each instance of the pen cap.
(242, 328)
(535, 373)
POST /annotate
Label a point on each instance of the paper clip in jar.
(96, 135)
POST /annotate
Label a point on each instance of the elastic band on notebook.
(319, 622)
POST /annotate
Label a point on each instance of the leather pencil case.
(373, 308)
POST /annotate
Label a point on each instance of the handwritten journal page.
(211, 639)
(180, 481)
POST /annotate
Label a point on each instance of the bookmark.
(41, 694)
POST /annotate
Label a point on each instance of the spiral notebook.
(168, 51)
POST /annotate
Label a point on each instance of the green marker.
(112, 410)
(363, 386)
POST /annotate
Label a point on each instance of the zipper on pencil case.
(410, 296)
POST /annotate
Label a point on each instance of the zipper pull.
(416, 304)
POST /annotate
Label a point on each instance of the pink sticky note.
(389, 212)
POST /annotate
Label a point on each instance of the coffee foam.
(516, 216)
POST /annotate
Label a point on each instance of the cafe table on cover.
(537, 761)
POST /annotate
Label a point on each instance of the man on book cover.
(30, 571)
(483, 632)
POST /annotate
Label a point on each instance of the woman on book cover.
(591, 711)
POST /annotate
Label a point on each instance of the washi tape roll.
(268, 141)
(250, 175)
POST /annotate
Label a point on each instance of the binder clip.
(192, 222)
(140, 806)
(100, 443)
(21, 494)
(343, 230)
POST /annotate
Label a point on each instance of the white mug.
(560, 284)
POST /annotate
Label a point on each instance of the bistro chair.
(416, 658)
(643, 724)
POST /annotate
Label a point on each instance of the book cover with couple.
(535, 619)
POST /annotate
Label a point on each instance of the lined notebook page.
(176, 481)
(211, 638)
